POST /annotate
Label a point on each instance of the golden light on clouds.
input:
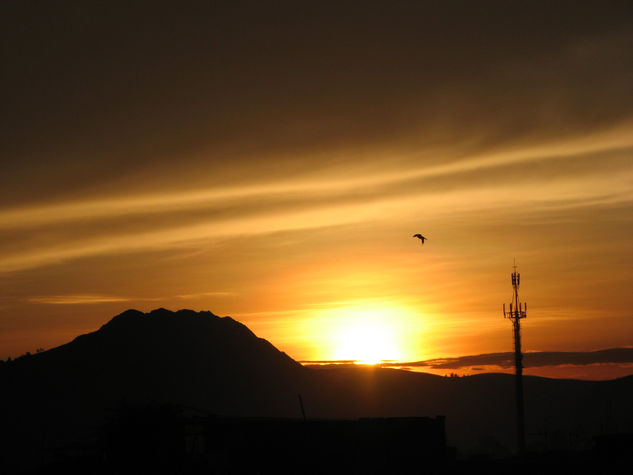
(76, 299)
(283, 189)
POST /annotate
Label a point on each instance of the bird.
(420, 237)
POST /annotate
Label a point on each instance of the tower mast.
(517, 311)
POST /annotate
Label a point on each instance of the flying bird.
(420, 237)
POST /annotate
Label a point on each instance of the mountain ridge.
(195, 328)
(219, 366)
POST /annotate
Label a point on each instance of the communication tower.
(517, 311)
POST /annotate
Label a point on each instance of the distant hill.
(480, 410)
(218, 366)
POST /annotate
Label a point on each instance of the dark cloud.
(530, 360)
(99, 95)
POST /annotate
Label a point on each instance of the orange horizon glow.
(277, 171)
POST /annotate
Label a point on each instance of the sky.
(271, 161)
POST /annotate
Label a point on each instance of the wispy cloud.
(76, 299)
(206, 294)
(173, 220)
(80, 299)
(531, 359)
(603, 364)
(327, 188)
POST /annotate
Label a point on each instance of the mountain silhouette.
(185, 357)
(218, 366)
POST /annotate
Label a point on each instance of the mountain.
(185, 357)
(218, 366)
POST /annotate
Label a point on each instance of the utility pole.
(517, 311)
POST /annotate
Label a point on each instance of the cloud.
(110, 98)
(544, 360)
(341, 116)
(81, 299)
(328, 362)
(581, 153)
(590, 174)
(207, 294)
(137, 133)
(77, 299)
(531, 359)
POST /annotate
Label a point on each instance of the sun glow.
(368, 337)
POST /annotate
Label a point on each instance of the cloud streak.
(412, 76)
(76, 299)
(148, 222)
(530, 359)
(616, 141)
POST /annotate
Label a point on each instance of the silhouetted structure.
(368, 445)
(153, 438)
(516, 313)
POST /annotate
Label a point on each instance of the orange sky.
(272, 164)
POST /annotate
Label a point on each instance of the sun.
(367, 337)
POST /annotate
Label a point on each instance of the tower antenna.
(517, 311)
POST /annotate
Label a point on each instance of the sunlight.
(365, 330)
(368, 336)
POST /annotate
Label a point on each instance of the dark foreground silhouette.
(135, 393)
(162, 439)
